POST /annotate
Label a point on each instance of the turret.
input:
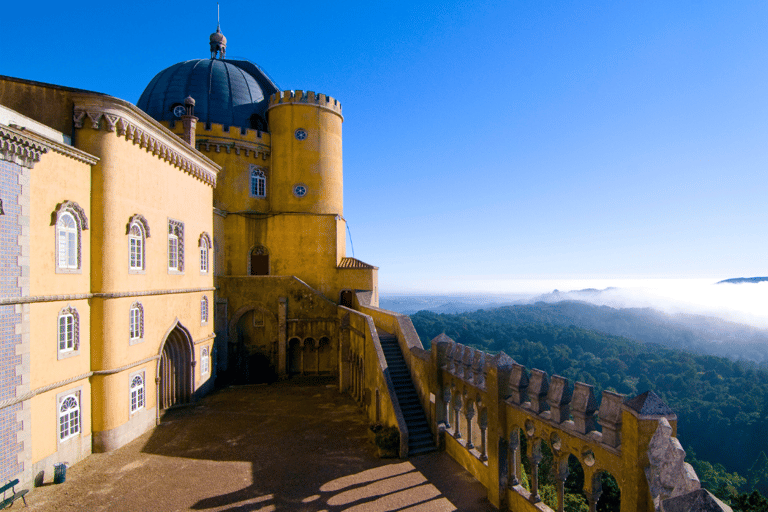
(306, 153)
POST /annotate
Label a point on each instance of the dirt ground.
(297, 445)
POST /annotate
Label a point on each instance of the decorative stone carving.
(538, 388)
(583, 408)
(610, 418)
(518, 384)
(559, 399)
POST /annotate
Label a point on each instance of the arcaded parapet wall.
(486, 406)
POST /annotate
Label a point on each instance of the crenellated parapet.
(487, 401)
(305, 98)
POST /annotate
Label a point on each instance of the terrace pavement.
(297, 445)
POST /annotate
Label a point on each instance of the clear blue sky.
(486, 140)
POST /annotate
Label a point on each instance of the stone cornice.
(127, 120)
(6, 301)
(24, 147)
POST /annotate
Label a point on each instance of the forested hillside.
(722, 405)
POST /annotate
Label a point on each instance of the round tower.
(305, 129)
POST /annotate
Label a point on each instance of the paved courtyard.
(298, 445)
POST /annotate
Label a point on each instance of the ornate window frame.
(258, 182)
(136, 323)
(138, 392)
(204, 310)
(204, 243)
(175, 247)
(205, 361)
(137, 230)
(68, 329)
(71, 260)
(70, 414)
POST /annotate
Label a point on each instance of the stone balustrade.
(489, 407)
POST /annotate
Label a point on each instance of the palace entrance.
(175, 369)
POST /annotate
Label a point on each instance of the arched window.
(69, 417)
(205, 245)
(175, 246)
(204, 310)
(70, 221)
(138, 232)
(258, 182)
(69, 332)
(136, 322)
(204, 361)
(137, 392)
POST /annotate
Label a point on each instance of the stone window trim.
(258, 182)
(136, 323)
(63, 210)
(175, 247)
(70, 414)
(204, 243)
(137, 230)
(204, 310)
(137, 391)
(68, 336)
(205, 361)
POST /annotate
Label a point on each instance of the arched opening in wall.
(258, 262)
(175, 369)
(347, 298)
(294, 356)
(255, 353)
(311, 361)
(324, 356)
(537, 475)
(574, 496)
(610, 499)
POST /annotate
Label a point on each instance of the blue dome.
(228, 92)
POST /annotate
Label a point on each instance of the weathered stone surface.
(700, 500)
(668, 474)
(649, 404)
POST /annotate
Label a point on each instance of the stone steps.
(420, 438)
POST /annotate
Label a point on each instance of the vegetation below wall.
(722, 405)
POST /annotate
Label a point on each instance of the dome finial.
(217, 39)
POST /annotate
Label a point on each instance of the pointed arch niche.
(176, 368)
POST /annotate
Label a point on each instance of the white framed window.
(136, 322)
(175, 246)
(204, 243)
(68, 241)
(69, 332)
(205, 361)
(70, 222)
(136, 251)
(204, 310)
(69, 416)
(258, 182)
(137, 392)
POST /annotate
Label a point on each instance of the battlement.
(305, 98)
(218, 130)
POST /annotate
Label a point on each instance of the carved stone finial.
(218, 44)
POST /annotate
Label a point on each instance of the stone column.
(469, 414)
(282, 313)
(535, 458)
(562, 476)
(514, 458)
(483, 424)
(593, 494)
(447, 405)
(457, 416)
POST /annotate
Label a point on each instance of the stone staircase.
(420, 439)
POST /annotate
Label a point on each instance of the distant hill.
(410, 304)
(740, 280)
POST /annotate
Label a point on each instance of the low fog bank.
(743, 303)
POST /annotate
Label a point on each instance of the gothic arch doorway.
(175, 371)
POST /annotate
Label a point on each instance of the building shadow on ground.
(309, 450)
